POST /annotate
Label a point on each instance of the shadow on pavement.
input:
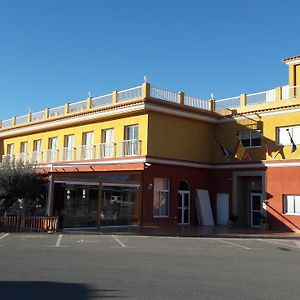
(33, 290)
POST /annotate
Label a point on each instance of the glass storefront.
(80, 205)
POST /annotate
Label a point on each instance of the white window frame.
(158, 193)
(287, 206)
(250, 132)
(283, 138)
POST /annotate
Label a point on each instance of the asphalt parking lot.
(77, 266)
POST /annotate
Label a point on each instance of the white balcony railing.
(101, 101)
(262, 97)
(68, 154)
(23, 156)
(163, 94)
(105, 150)
(22, 120)
(227, 103)
(289, 92)
(77, 106)
(51, 155)
(37, 116)
(86, 152)
(6, 123)
(129, 94)
(36, 157)
(9, 157)
(129, 147)
(56, 111)
(196, 102)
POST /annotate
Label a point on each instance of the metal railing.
(196, 102)
(130, 94)
(289, 92)
(9, 157)
(23, 156)
(68, 154)
(21, 120)
(86, 152)
(101, 101)
(77, 106)
(129, 148)
(105, 150)
(6, 123)
(164, 94)
(51, 155)
(36, 157)
(28, 223)
(227, 103)
(261, 97)
(56, 111)
(36, 116)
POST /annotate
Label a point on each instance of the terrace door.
(87, 146)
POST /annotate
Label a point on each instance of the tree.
(18, 180)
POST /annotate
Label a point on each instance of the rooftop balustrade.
(148, 91)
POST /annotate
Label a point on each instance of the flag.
(241, 152)
(224, 151)
(294, 147)
(268, 150)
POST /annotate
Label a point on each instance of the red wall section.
(197, 179)
(281, 181)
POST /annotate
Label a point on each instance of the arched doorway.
(184, 203)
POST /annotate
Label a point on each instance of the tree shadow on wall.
(34, 290)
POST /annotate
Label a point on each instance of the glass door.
(183, 207)
(255, 206)
(87, 147)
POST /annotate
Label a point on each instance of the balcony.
(99, 151)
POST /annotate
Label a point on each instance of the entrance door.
(255, 209)
(222, 209)
(183, 207)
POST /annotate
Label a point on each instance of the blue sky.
(52, 52)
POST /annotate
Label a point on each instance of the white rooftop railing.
(261, 97)
(6, 123)
(196, 102)
(163, 94)
(56, 111)
(130, 94)
(77, 106)
(289, 92)
(36, 116)
(101, 101)
(21, 120)
(227, 103)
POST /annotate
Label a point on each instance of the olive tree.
(19, 180)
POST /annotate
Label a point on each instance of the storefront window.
(161, 197)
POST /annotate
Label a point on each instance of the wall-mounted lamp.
(150, 185)
(147, 165)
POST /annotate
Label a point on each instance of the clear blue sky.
(52, 52)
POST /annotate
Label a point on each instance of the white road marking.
(118, 241)
(230, 243)
(4, 236)
(279, 243)
(58, 240)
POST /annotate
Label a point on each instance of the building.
(140, 156)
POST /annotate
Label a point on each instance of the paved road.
(72, 266)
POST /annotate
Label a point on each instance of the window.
(87, 145)
(283, 137)
(107, 147)
(68, 151)
(291, 204)
(37, 151)
(23, 151)
(10, 149)
(132, 132)
(250, 138)
(161, 197)
(52, 150)
(131, 143)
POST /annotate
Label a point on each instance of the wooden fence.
(28, 224)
